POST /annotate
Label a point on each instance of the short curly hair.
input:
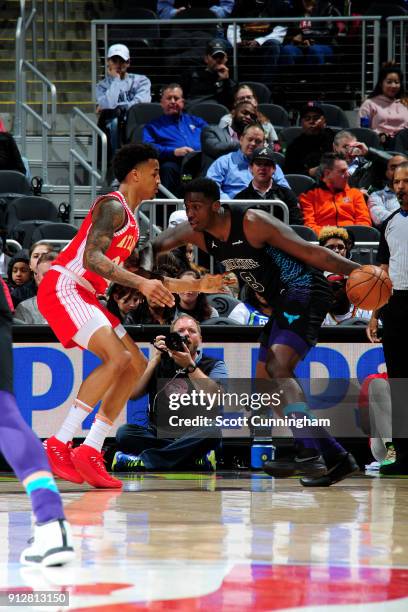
(329, 231)
(130, 156)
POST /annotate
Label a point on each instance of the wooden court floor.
(227, 541)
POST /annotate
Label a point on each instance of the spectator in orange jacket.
(332, 201)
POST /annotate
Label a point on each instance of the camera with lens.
(174, 341)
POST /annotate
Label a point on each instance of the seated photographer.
(172, 371)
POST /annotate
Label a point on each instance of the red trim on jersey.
(123, 243)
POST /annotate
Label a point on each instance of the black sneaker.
(398, 468)
(345, 466)
(299, 466)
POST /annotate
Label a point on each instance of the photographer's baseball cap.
(216, 46)
(120, 50)
(263, 153)
(314, 107)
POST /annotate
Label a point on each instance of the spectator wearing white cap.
(116, 93)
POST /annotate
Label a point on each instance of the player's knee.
(278, 370)
(121, 361)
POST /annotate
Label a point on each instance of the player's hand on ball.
(157, 293)
(369, 287)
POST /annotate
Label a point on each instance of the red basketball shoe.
(59, 457)
(90, 464)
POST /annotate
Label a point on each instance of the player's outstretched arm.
(168, 240)
(260, 229)
(107, 218)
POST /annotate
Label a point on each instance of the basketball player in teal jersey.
(270, 257)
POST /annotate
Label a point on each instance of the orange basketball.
(369, 287)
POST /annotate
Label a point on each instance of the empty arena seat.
(54, 231)
(209, 111)
(299, 182)
(25, 214)
(305, 232)
(140, 114)
(276, 114)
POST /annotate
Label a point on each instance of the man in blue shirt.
(175, 135)
(231, 172)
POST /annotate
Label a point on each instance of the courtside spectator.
(338, 240)
(386, 110)
(231, 172)
(304, 152)
(116, 93)
(332, 201)
(175, 134)
(262, 166)
(20, 279)
(212, 81)
(383, 202)
(217, 141)
(245, 93)
(27, 310)
(259, 44)
(311, 42)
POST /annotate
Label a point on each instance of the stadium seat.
(261, 91)
(299, 182)
(209, 111)
(223, 303)
(54, 231)
(139, 114)
(276, 114)
(279, 158)
(363, 233)
(25, 214)
(305, 232)
(366, 135)
(335, 116)
(12, 185)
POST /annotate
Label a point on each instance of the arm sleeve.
(149, 137)
(140, 91)
(225, 8)
(306, 203)
(361, 214)
(219, 371)
(212, 145)
(165, 9)
(216, 172)
(278, 34)
(366, 109)
(376, 206)
(107, 93)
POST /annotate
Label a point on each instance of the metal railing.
(360, 50)
(76, 156)
(47, 120)
(397, 29)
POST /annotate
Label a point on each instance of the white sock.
(75, 417)
(98, 432)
